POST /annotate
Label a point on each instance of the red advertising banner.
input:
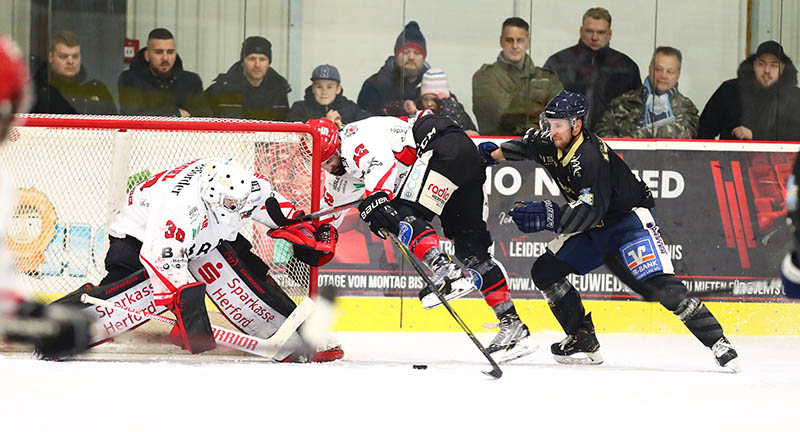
(719, 205)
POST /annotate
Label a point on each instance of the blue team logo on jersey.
(404, 233)
(477, 279)
(641, 258)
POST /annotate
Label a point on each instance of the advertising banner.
(720, 208)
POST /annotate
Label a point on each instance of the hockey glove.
(486, 148)
(535, 216)
(535, 139)
(299, 234)
(324, 248)
(376, 211)
(56, 331)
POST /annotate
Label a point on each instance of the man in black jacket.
(593, 68)
(62, 84)
(156, 83)
(397, 83)
(762, 103)
(251, 89)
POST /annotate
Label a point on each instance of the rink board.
(609, 316)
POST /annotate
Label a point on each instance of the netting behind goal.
(70, 172)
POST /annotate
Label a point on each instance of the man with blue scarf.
(655, 110)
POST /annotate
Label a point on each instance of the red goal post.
(70, 172)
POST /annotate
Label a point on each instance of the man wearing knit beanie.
(399, 80)
(251, 88)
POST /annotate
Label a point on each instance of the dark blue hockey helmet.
(566, 105)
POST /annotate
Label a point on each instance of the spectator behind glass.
(62, 85)
(593, 68)
(398, 81)
(761, 103)
(509, 94)
(436, 96)
(655, 110)
(156, 84)
(324, 98)
(251, 88)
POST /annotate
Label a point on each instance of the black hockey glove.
(535, 216)
(56, 331)
(486, 148)
(376, 211)
(536, 139)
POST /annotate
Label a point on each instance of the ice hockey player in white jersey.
(52, 330)
(413, 171)
(181, 226)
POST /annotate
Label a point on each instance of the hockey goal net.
(70, 172)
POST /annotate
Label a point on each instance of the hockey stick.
(496, 372)
(266, 348)
(323, 212)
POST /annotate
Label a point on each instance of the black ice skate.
(452, 281)
(725, 355)
(580, 348)
(512, 341)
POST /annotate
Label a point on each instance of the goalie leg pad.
(134, 291)
(255, 306)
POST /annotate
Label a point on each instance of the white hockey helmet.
(225, 188)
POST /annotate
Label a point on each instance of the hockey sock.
(699, 320)
(492, 284)
(565, 302)
(419, 236)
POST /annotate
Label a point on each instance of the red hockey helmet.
(329, 134)
(14, 92)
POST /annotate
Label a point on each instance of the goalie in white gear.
(182, 225)
(413, 171)
(53, 330)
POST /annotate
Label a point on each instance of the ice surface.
(648, 382)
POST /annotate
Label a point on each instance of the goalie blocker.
(237, 283)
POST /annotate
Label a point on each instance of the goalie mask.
(225, 189)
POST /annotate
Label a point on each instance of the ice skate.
(579, 348)
(725, 355)
(512, 341)
(452, 282)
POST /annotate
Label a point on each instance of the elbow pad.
(578, 216)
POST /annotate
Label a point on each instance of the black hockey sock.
(565, 302)
(699, 320)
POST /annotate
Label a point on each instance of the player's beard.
(339, 171)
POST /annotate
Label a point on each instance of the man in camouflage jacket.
(509, 94)
(655, 110)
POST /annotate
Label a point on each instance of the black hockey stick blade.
(496, 372)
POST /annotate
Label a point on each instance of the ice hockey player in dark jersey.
(413, 171)
(607, 220)
(790, 268)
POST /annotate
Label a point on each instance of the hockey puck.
(420, 366)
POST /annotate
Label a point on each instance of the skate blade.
(580, 358)
(431, 301)
(521, 349)
(733, 365)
